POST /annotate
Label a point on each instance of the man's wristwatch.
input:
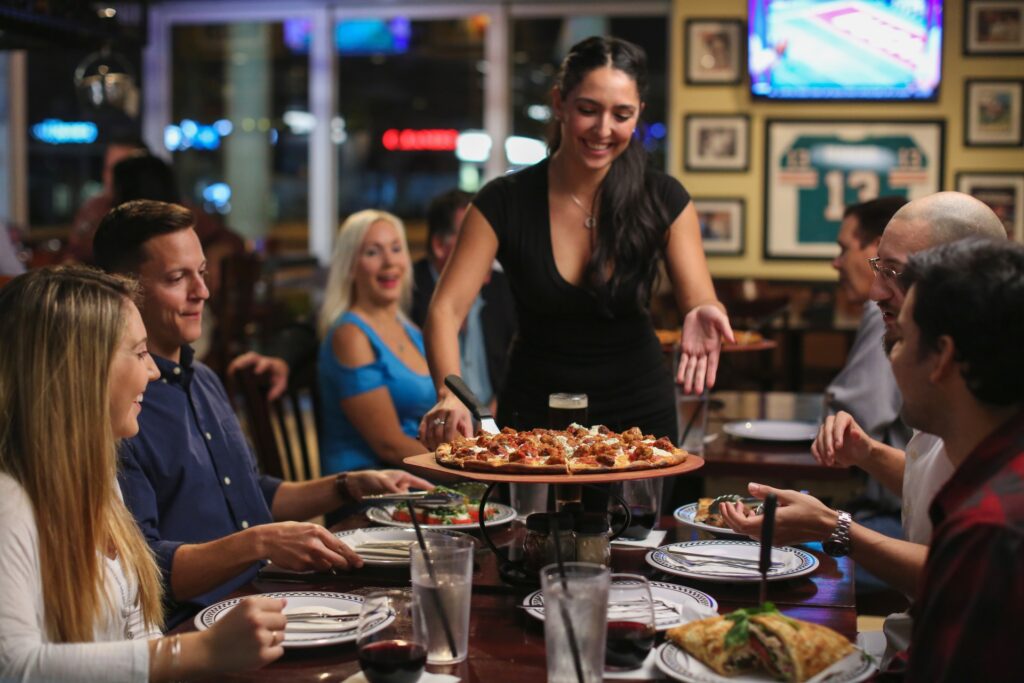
(838, 542)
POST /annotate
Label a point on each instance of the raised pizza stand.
(510, 570)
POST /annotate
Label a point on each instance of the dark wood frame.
(963, 177)
(739, 51)
(971, 6)
(969, 105)
(742, 121)
(940, 128)
(741, 204)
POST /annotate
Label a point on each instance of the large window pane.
(405, 87)
(241, 123)
(538, 47)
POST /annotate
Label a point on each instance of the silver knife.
(480, 411)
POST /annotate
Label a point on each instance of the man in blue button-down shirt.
(189, 476)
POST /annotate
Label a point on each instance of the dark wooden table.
(508, 645)
(728, 456)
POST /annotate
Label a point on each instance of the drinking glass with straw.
(442, 578)
(575, 615)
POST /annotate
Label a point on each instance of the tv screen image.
(845, 49)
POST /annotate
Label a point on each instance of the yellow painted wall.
(687, 99)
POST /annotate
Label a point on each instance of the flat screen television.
(845, 49)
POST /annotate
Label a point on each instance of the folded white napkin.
(427, 677)
(653, 540)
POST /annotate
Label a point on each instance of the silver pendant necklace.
(589, 223)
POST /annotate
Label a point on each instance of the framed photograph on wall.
(994, 27)
(722, 224)
(717, 142)
(993, 114)
(714, 50)
(814, 169)
(1003, 192)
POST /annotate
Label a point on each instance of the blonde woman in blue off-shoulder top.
(374, 380)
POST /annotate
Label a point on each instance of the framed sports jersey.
(815, 169)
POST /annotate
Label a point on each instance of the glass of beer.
(564, 409)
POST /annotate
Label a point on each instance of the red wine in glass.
(392, 661)
(628, 644)
(642, 520)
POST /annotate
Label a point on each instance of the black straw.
(570, 632)
(435, 592)
(767, 533)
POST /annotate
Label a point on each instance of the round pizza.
(576, 450)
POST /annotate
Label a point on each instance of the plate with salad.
(463, 513)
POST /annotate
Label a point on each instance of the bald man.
(916, 474)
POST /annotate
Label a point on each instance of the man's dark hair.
(144, 177)
(972, 290)
(873, 216)
(117, 245)
(441, 213)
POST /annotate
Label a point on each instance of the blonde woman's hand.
(447, 418)
(704, 329)
(248, 636)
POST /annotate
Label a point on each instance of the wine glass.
(642, 497)
(631, 622)
(392, 637)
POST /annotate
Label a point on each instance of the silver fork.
(700, 558)
(314, 616)
(687, 562)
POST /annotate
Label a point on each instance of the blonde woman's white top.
(119, 651)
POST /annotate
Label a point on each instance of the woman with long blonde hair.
(374, 380)
(81, 591)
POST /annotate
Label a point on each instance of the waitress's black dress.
(568, 341)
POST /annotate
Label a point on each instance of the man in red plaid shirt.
(959, 365)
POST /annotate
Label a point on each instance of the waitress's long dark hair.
(632, 217)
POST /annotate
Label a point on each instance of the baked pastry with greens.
(762, 639)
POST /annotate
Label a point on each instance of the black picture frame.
(814, 168)
(993, 112)
(716, 143)
(714, 51)
(993, 28)
(723, 224)
(1003, 191)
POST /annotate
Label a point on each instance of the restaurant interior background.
(283, 118)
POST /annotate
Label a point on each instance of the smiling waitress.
(580, 235)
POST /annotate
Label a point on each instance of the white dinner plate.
(356, 537)
(691, 604)
(685, 515)
(299, 635)
(382, 515)
(792, 562)
(772, 430)
(677, 664)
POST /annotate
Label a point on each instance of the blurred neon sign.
(57, 132)
(420, 139)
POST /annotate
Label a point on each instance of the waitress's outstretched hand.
(704, 330)
(448, 417)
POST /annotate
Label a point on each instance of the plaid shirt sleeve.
(962, 620)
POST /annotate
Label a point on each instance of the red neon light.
(420, 140)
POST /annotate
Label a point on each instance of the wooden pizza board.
(426, 463)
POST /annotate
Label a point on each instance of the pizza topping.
(544, 450)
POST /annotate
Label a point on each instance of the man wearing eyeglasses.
(865, 387)
(916, 474)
